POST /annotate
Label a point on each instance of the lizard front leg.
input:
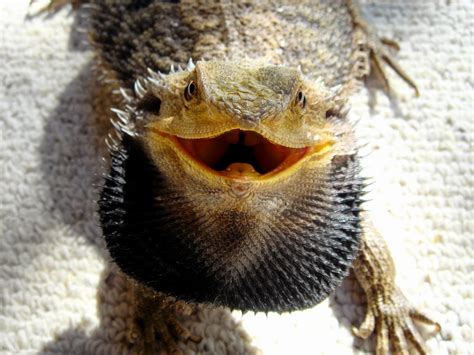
(155, 317)
(373, 51)
(389, 313)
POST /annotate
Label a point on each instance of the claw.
(421, 317)
(390, 43)
(398, 69)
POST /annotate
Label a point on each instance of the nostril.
(330, 113)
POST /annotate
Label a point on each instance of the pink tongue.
(241, 169)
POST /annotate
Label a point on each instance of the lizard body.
(268, 234)
(318, 36)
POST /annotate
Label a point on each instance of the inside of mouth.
(241, 152)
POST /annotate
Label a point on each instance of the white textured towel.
(57, 293)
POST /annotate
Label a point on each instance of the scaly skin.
(156, 188)
(213, 225)
(389, 313)
(156, 316)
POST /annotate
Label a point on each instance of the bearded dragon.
(236, 181)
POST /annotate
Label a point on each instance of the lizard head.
(238, 123)
(234, 184)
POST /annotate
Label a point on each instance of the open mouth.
(241, 154)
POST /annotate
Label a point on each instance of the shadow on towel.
(112, 336)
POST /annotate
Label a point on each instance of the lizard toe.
(412, 336)
(382, 339)
(367, 327)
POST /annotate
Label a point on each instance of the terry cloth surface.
(58, 295)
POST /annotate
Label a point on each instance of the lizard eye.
(301, 99)
(190, 91)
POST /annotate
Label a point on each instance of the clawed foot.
(377, 51)
(157, 323)
(392, 318)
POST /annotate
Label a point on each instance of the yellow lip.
(242, 155)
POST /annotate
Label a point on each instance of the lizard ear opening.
(300, 99)
(150, 103)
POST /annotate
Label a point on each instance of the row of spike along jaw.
(242, 155)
